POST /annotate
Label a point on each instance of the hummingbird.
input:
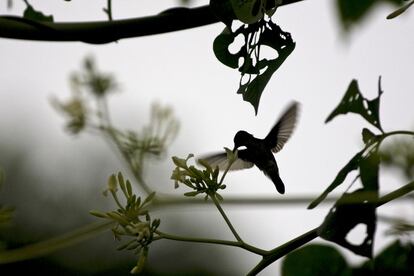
(259, 152)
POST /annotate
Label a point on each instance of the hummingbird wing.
(283, 129)
(220, 160)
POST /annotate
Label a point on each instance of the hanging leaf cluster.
(257, 31)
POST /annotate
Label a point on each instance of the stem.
(398, 132)
(291, 245)
(239, 244)
(48, 246)
(109, 31)
(108, 10)
(223, 214)
(109, 131)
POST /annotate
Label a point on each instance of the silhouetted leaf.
(340, 177)
(353, 11)
(314, 260)
(255, 72)
(368, 136)
(32, 14)
(354, 102)
(369, 170)
(400, 10)
(349, 211)
(221, 49)
(397, 259)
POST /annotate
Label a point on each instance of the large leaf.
(255, 71)
(349, 211)
(352, 165)
(354, 102)
(314, 260)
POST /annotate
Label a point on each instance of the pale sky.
(180, 69)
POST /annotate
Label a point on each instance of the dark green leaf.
(354, 102)
(368, 136)
(354, 11)
(32, 14)
(349, 211)
(314, 260)
(221, 48)
(396, 259)
(369, 169)
(400, 11)
(279, 41)
(340, 177)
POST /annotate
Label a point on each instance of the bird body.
(259, 152)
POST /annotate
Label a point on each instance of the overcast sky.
(180, 69)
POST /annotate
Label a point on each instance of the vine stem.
(301, 240)
(223, 214)
(253, 249)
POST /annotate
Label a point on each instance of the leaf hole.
(357, 235)
(268, 53)
(237, 44)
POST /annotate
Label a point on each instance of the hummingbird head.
(241, 138)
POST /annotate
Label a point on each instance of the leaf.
(340, 177)
(221, 48)
(369, 170)
(349, 211)
(395, 259)
(149, 198)
(400, 10)
(32, 14)
(354, 102)
(260, 73)
(368, 136)
(354, 11)
(315, 259)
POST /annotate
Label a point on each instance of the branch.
(282, 250)
(100, 32)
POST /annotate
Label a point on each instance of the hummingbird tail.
(280, 187)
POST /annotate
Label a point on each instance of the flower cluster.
(132, 219)
(201, 181)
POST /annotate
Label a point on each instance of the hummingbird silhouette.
(259, 152)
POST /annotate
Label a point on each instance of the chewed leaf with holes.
(349, 211)
(255, 71)
(339, 179)
(354, 102)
